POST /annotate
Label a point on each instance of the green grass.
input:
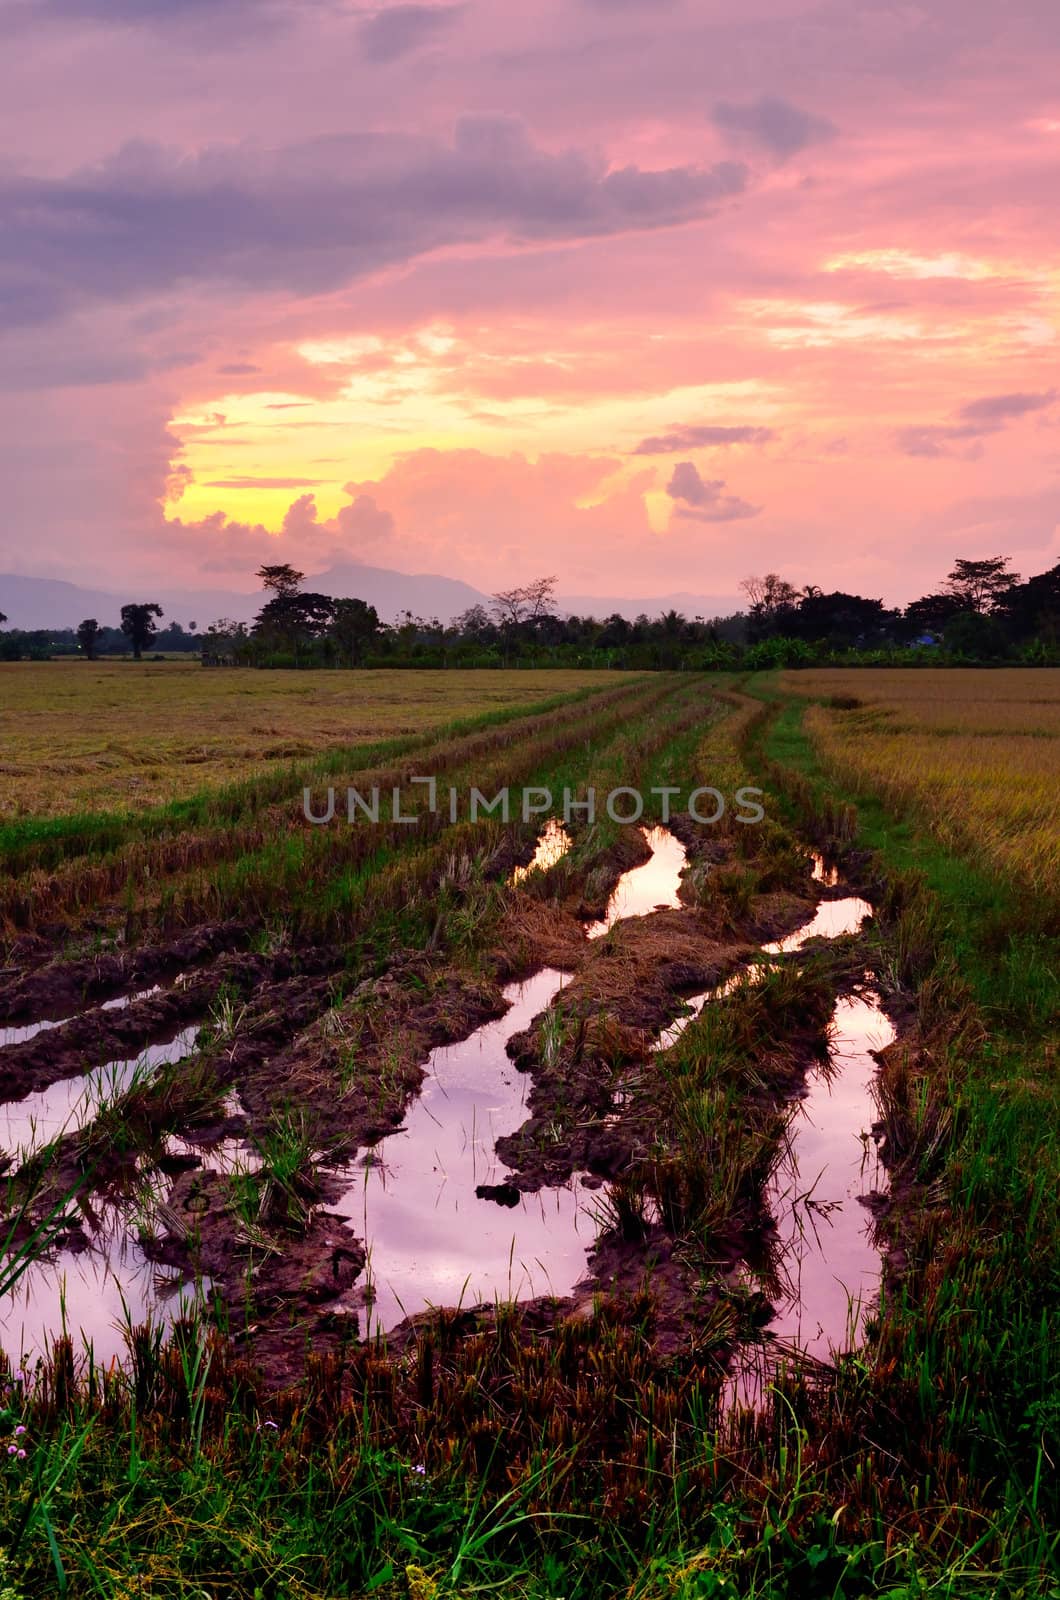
(975, 1334)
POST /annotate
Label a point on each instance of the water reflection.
(828, 1265)
(552, 846)
(831, 919)
(30, 1030)
(824, 1232)
(431, 1240)
(93, 1294)
(824, 872)
(71, 1103)
(649, 887)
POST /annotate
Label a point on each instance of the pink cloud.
(657, 236)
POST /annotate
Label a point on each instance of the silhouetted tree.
(1033, 607)
(223, 642)
(931, 613)
(976, 635)
(282, 579)
(87, 635)
(137, 624)
(980, 585)
(355, 626)
(772, 599)
(475, 623)
(615, 633)
(291, 619)
(770, 594)
(528, 603)
(844, 620)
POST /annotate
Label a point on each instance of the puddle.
(831, 919)
(695, 1003)
(71, 1103)
(94, 1293)
(123, 1000)
(831, 1266)
(431, 1240)
(824, 1240)
(648, 887)
(552, 846)
(226, 1155)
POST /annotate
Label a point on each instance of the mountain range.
(53, 603)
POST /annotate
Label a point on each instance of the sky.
(646, 294)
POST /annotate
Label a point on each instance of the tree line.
(91, 640)
(982, 613)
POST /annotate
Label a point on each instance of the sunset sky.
(648, 295)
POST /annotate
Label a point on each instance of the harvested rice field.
(623, 1165)
(79, 736)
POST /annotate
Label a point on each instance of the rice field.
(79, 736)
(542, 1207)
(973, 754)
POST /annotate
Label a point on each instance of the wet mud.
(466, 1129)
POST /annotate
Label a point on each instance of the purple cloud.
(315, 216)
(979, 418)
(692, 437)
(399, 30)
(775, 125)
(703, 500)
(995, 409)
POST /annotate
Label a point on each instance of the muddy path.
(622, 991)
(108, 1032)
(58, 989)
(587, 1113)
(347, 1143)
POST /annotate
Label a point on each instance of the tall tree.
(292, 619)
(87, 636)
(845, 620)
(474, 623)
(772, 602)
(527, 603)
(980, 585)
(770, 594)
(354, 627)
(223, 637)
(931, 613)
(1033, 607)
(138, 626)
(282, 579)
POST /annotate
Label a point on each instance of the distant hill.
(52, 603)
(424, 594)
